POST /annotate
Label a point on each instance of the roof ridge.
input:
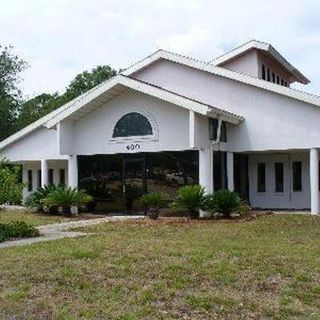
(237, 47)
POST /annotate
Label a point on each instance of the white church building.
(169, 120)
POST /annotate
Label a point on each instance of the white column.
(192, 129)
(206, 169)
(25, 180)
(73, 171)
(314, 181)
(230, 171)
(44, 173)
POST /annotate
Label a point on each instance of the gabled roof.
(267, 48)
(107, 91)
(209, 67)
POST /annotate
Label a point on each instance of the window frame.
(154, 136)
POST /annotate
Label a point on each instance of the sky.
(61, 38)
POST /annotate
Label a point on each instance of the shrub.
(244, 208)
(11, 187)
(225, 202)
(153, 201)
(17, 229)
(66, 197)
(191, 198)
(35, 200)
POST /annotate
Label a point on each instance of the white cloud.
(60, 38)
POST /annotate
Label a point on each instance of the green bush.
(35, 200)
(17, 229)
(10, 182)
(191, 198)
(65, 197)
(153, 201)
(225, 202)
(244, 208)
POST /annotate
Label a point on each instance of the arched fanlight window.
(132, 124)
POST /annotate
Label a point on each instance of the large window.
(132, 124)
(117, 181)
(261, 177)
(297, 176)
(278, 176)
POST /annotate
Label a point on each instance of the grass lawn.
(29, 217)
(37, 219)
(268, 268)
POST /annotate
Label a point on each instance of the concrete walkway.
(60, 230)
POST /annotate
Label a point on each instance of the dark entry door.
(134, 184)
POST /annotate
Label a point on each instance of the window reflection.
(132, 124)
(117, 181)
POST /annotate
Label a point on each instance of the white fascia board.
(240, 77)
(149, 90)
(239, 50)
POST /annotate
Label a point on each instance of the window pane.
(39, 178)
(62, 176)
(261, 177)
(50, 177)
(263, 72)
(278, 172)
(297, 175)
(30, 186)
(223, 134)
(213, 128)
(132, 124)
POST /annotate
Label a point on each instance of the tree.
(88, 80)
(10, 182)
(10, 95)
(36, 108)
(44, 103)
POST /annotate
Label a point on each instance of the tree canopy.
(15, 113)
(10, 96)
(44, 103)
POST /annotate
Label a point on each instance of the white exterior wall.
(272, 121)
(289, 199)
(41, 144)
(246, 63)
(93, 133)
(35, 166)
